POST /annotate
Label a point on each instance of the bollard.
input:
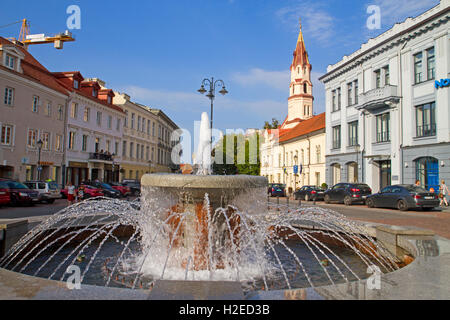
(287, 201)
(299, 202)
(278, 200)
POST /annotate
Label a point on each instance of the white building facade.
(388, 106)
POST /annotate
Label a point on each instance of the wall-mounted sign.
(443, 83)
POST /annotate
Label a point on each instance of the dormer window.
(10, 61)
(109, 100)
(76, 84)
(94, 92)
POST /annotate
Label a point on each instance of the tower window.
(305, 88)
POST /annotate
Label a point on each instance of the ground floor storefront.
(429, 164)
(77, 172)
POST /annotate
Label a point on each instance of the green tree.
(274, 125)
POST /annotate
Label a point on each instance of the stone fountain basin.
(427, 277)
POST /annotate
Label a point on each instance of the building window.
(431, 64)
(426, 120)
(97, 145)
(94, 92)
(349, 93)
(35, 104)
(9, 96)
(74, 110)
(99, 118)
(60, 112)
(45, 137)
(139, 123)
(353, 133)
(132, 120)
(58, 143)
(153, 129)
(339, 98)
(31, 139)
(118, 125)
(48, 110)
(71, 140)
(383, 133)
(387, 76)
(108, 146)
(138, 148)
(142, 152)
(109, 99)
(336, 137)
(124, 148)
(356, 91)
(116, 148)
(109, 122)
(427, 172)
(87, 114)
(131, 149)
(6, 135)
(333, 99)
(125, 124)
(418, 76)
(85, 143)
(10, 61)
(318, 154)
(377, 78)
(76, 84)
(147, 153)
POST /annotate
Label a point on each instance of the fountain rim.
(170, 180)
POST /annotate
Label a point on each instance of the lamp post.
(150, 166)
(212, 94)
(39, 169)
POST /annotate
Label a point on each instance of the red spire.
(300, 54)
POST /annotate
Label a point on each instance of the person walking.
(80, 193)
(70, 193)
(443, 193)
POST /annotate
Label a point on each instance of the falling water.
(203, 156)
(129, 244)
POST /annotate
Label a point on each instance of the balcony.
(378, 98)
(96, 156)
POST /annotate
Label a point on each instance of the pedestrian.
(443, 193)
(417, 183)
(80, 193)
(70, 193)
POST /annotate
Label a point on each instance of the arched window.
(305, 88)
(352, 172)
(427, 172)
(336, 169)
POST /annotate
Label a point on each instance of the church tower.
(300, 99)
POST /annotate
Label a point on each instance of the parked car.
(403, 197)
(106, 189)
(348, 193)
(48, 191)
(309, 193)
(124, 190)
(5, 197)
(89, 192)
(134, 185)
(20, 193)
(277, 190)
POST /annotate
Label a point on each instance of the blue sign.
(443, 83)
(295, 169)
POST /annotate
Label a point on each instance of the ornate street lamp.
(39, 145)
(212, 93)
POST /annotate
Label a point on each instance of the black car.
(403, 197)
(309, 193)
(107, 190)
(276, 190)
(347, 193)
(134, 185)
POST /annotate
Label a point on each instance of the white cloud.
(316, 21)
(274, 79)
(393, 11)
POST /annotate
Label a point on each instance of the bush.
(324, 186)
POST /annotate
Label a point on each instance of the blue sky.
(160, 51)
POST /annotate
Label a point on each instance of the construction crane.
(26, 39)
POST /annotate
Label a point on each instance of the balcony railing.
(383, 136)
(379, 97)
(427, 130)
(100, 156)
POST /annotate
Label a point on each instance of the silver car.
(48, 191)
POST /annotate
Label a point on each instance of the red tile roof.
(33, 70)
(303, 128)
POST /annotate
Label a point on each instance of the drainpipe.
(400, 107)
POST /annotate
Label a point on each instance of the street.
(437, 220)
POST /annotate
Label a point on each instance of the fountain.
(199, 227)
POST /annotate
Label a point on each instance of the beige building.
(146, 145)
(294, 153)
(32, 110)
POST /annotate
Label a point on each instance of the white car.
(48, 191)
